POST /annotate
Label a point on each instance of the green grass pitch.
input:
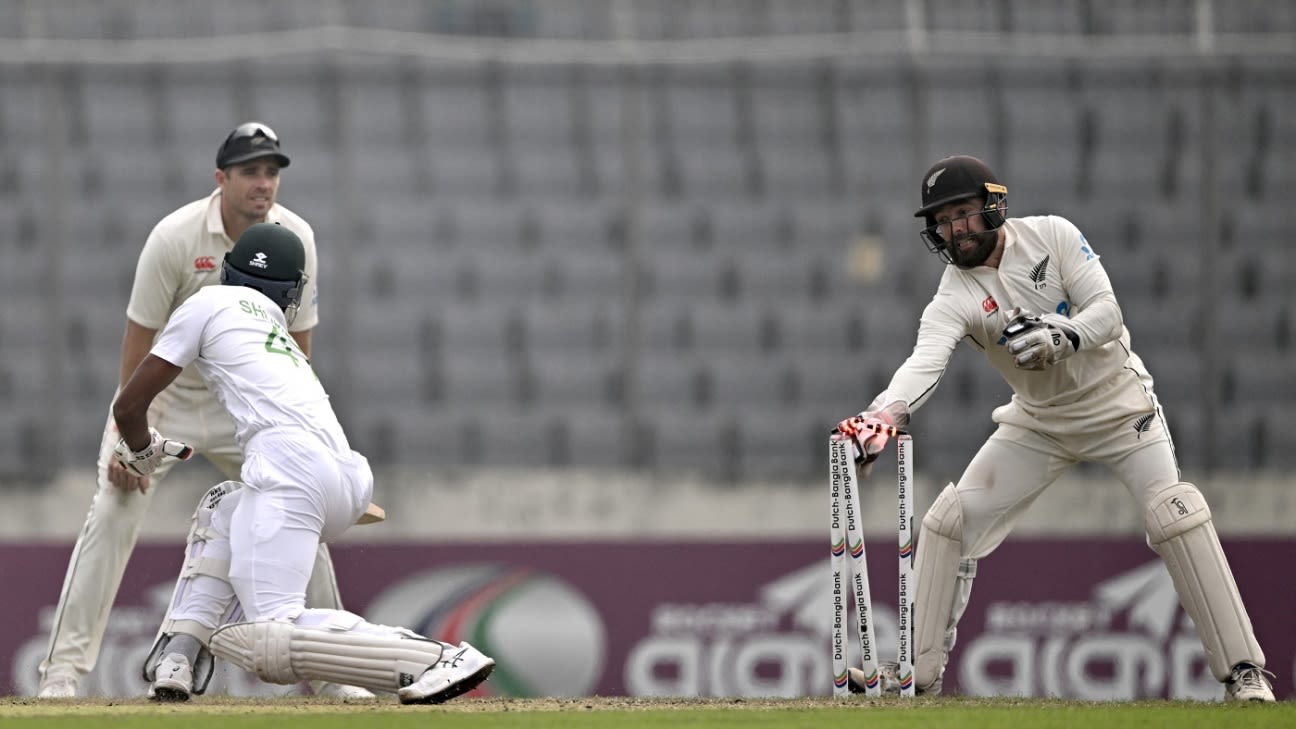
(635, 713)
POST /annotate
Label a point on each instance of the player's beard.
(985, 244)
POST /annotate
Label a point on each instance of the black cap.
(956, 178)
(250, 141)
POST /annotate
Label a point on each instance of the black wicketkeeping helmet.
(271, 259)
(961, 178)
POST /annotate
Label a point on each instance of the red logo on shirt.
(989, 304)
(205, 263)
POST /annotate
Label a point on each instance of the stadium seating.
(690, 266)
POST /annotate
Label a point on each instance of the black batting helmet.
(271, 259)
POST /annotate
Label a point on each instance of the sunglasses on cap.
(253, 129)
(248, 141)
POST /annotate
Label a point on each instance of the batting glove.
(146, 460)
(1037, 344)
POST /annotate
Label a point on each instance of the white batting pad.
(1180, 530)
(346, 649)
(944, 585)
(203, 597)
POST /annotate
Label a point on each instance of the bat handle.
(177, 449)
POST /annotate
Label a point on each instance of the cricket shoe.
(459, 670)
(860, 682)
(341, 691)
(58, 686)
(1248, 683)
(172, 679)
(888, 677)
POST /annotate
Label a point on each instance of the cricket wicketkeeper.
(1032, 295)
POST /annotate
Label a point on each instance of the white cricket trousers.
(297, 494)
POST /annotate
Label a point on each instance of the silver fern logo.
(1039, 273)
(931, 181)
(1144, 424)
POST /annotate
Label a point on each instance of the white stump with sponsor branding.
(905, 605)
(846, 534)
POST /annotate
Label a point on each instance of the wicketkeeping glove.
(871, 429)
(146, 460)
(1037, 344)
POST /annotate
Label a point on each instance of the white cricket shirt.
(1048, 268)
(238, 341)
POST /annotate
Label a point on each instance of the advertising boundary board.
(1079, 618)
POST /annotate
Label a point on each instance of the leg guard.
(944, 585)
(202, 588)
(1180, 531)
(344, 648)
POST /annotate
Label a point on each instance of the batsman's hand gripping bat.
(146, 460)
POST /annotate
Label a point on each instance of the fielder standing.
(255, 537)
(1032, 294)
(182, 255)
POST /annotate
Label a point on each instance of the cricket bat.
(373, 514)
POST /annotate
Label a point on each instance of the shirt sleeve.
(1095, 315)
(180, 340)
(157, 279)
(940, 329)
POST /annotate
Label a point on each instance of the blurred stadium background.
(654, 236)
(657, 236)
(580, 257)
(657, 239)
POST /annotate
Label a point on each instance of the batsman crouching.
(241, 593)
(1032, 295)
